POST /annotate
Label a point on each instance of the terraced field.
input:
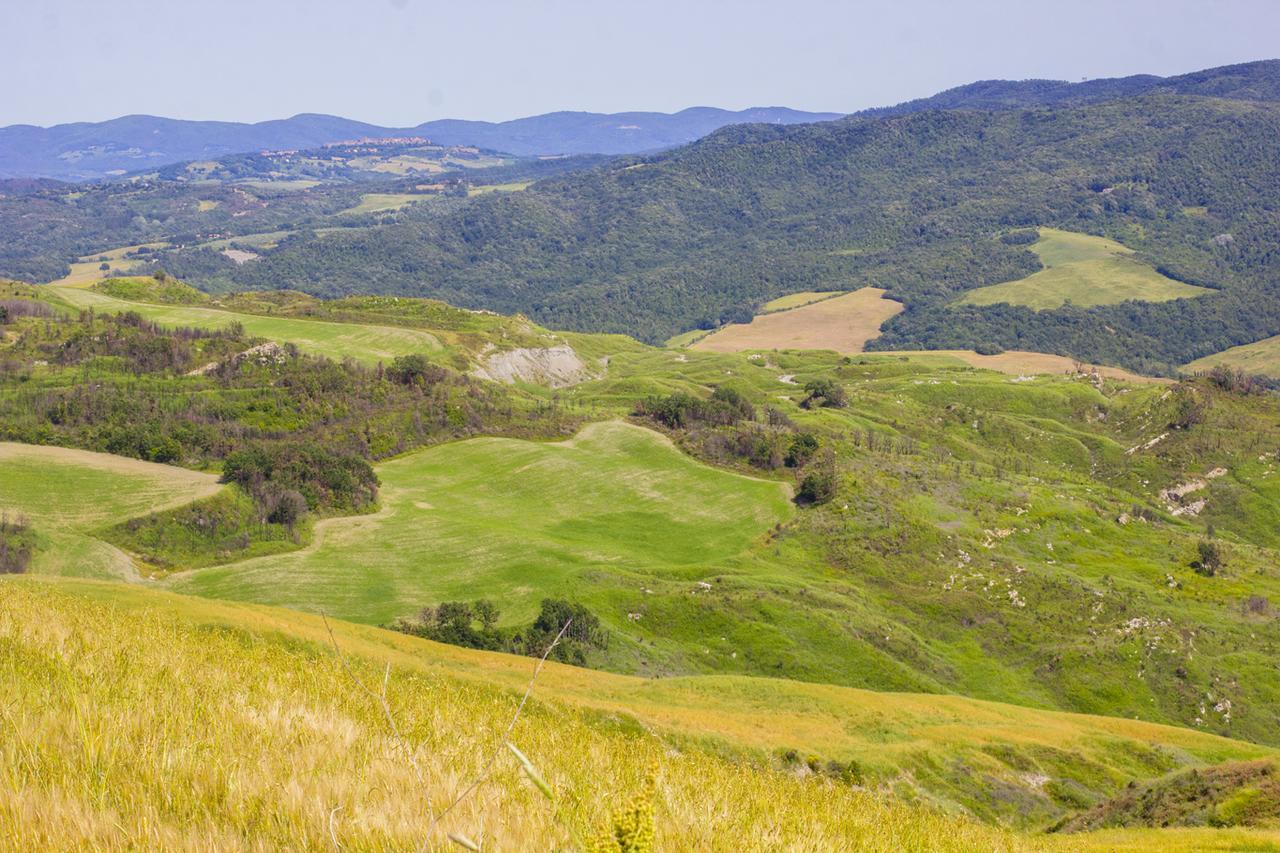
(515, 521)
(364, 343)
(843, 323)
(1084, 270)
(67, 494)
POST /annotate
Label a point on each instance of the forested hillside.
(922, 205)
(1248, 81)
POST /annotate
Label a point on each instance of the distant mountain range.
(93, 150)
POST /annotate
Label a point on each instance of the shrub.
(17, 544)
(802, 448)
(414, 369)
(1212, 559)
(825, 393)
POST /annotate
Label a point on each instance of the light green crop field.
(140, 719)
(1261, 357)
(365, 343)
(382, 202)
(515, 521)
(66, 494)
(513, 187)
(795, 300)
(1084, 270)
(264, 240)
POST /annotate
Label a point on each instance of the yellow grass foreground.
(138, 720)
(843, 323)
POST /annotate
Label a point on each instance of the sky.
(401, 62)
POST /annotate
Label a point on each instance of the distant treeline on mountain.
(916, 204)
(1250, 81)
(93, 150)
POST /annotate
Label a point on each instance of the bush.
(17, 544)
(826, 393)
(681, 411)
(414, 370)
(802, 448)
(1212, 559)
(323, 478)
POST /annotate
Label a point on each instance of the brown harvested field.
(843, 324)
(1022, 363)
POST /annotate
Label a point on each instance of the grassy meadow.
(616, 507)
(1084, 270)
(364, 343)
(512, 187)
(144, 720)
(382, 202)
(68, 495)
(797, 300)
(1261, 357)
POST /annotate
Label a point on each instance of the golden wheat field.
(842, 323)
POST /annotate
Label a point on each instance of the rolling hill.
(146, 719)
(994, 550)
(919, 204)
(94, 150)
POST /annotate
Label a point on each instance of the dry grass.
(135, 720)
(144, 731)
(843, 323)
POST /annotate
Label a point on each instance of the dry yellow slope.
(844, 324)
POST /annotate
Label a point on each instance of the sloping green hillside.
(69, 494)
(614, 508)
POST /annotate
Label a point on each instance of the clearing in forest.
(842, 323)
(1083, 270)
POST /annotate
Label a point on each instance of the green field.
(513, 187)
(796, 300)
(199, 721)
(514, 521)
(1084, 270)
(1262, 357)
(68, 494)
(382, 202)
(365, 343)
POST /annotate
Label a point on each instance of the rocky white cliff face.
(556, 367)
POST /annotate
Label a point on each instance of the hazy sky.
(401, 62)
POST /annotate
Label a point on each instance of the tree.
(1212, 559)
(826, 393)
